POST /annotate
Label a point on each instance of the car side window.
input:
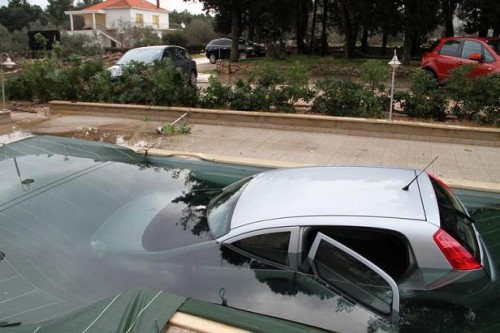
(387, 250)
(270, 246)
(182, 54)
(225, 42)
(469, 48)
(487, 56)
(450, 48)
(167, 54)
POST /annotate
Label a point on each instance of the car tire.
(242, 55)
(432, 75)
(212, 58)
(192, 79)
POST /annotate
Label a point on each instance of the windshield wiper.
(459, 212)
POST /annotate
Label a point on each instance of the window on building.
(156, 21)
(139, 20)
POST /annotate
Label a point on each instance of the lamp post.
(9, 64)
(394, 63)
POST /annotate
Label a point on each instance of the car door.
(354, 275)
(448, 59)
(225, 48)
(484, 66)
(180, 60)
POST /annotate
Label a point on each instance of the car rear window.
(454, 218)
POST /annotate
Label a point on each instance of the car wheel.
(432, 75)
(212, 59)
(192, 78)
(242, 55)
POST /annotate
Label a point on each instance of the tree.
(19, 14)
(56, 9)
(480, 16)
(448, 9)
(419, 18)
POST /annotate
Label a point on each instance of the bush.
(346, 98)
(475, 99)
(216, 95)
(175, 38)
(374, 73)
(425, 99)
(244, 97)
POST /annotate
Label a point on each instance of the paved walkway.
(467, 165)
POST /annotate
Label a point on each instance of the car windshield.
(495, 44)
(221, 208)
(140, 55)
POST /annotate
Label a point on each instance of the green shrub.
(475, 99)
(170, 86)
(216, 95)
(175, 38)
(374, 73)
(346, 98)
(425, 99)
(35, 81)
(244, 97)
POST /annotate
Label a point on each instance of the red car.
(451, 52)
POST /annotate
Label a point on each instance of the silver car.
(177, 55)
(379, 235)
(340, 222)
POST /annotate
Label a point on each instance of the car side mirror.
(476, 57)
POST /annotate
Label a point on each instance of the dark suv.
(220, 48)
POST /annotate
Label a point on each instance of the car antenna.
(407, 187)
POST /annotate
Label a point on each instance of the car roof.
(155, 47)
(331, 191)
(470, 37)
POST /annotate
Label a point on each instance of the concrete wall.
(313, 123)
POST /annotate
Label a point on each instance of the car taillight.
(457, 255)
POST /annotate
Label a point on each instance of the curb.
(455, 183)
(396, 129)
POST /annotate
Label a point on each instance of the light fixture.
(394, 63)
(9, 64)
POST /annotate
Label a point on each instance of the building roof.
(115, 4)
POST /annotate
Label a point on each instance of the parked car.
(332, 247)
(449, 53)
(220, 48)
(177, 55)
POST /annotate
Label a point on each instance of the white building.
(108, 19)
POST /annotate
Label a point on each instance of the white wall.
(121, 17)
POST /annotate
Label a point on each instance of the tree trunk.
(364, 41)
(448, 10)
(313, 28)
(235, 29)
(384, 43)
(408, 45)
(348, 33)
(301, 24)
(324, 40)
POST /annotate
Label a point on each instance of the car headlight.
(115, 71)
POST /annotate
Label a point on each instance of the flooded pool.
(153, 176)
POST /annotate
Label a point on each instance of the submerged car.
(452, 52)
(337, 248)
(177, 55)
